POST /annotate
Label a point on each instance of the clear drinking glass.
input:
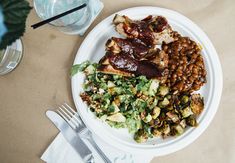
(11, 57)
(70, 23)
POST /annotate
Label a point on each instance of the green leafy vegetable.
(143, 106)
(15, 14)
(79, 67)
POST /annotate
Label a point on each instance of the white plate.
(93, 48)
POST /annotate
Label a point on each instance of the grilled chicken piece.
(151, 30)
(133, 47)
(108, 69)
(123, 64)
(136, 49)
(138, 53)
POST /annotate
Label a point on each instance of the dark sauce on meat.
(133, 47)
(149, 69)
(160, 24)
(142, 30)
(145, 33)
(147, 19)
(128, 64)
(123, 62)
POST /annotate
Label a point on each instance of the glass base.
(11, 57)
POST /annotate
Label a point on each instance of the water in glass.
(69, 23)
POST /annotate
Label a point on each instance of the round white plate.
(93, 48)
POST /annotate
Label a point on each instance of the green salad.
(144, 106)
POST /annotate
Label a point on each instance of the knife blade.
(72, 138)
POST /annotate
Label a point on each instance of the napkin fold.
(60, 151)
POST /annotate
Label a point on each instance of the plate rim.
(217, 96)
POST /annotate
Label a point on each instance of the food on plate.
(145, 82)
(144, 106)
(135, 49)
(131, 57)
(125, 63)
(150, 30)
(179, 60)
(186, 66)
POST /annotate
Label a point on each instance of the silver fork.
(74, 120)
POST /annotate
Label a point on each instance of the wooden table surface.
(42, 81)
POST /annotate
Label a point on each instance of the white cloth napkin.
(60, 151)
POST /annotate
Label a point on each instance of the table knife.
(72, 138)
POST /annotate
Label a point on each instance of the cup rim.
(54, 25)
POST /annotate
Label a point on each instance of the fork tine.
(64, 115)
(71, 110)
(60, 111)
(71, 116)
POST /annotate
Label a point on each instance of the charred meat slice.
(149, 69)
(151, 30)
(125, 65)
(108, 66)
(134, 47)
(108, 69)
(124, 62)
